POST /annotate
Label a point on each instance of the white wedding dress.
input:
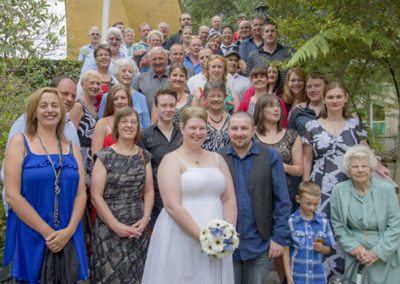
(173, 256)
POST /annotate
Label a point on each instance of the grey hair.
(125, 62)
(158, 49)
(88, 74)
(114, 31)
(155, 33)
(358, 152)
(129, 30)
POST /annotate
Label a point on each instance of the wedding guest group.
(163, 135)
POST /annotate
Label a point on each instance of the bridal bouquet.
(219, 239)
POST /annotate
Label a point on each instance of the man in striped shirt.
(271, 51)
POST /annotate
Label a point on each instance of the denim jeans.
(253, 271)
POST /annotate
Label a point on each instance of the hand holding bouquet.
(219, 239)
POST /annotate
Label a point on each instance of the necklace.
(179, 98)
(57, 173)
(216, 120)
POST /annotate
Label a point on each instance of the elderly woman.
(45, 191)
(114, 41)
(124, 72)
(122, 193)
(217, 122)
(365, 216)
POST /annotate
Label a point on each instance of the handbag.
(362, 277)
(61, 267)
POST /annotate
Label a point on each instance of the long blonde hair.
(31, 125)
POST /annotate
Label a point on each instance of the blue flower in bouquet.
(219, 239)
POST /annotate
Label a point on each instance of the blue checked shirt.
(306, 263)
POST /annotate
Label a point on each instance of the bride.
(195, 187)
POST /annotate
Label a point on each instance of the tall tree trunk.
(397, 169)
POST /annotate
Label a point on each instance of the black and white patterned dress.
(85, 134)
(328, 152)
(216, 139)
(115, 259)
(189, 100)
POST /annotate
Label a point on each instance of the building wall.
(83, 14)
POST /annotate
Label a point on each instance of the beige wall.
(83, 14)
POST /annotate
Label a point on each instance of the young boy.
(311, 237)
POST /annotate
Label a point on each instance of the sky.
(58, 7)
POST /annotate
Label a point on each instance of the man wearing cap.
(237, 83)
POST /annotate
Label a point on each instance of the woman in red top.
(102, 57)
(118, 98)
(270, 85)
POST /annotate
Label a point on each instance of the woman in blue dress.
(45, 190)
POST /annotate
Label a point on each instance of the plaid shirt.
(306, 263)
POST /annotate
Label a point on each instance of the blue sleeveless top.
(25, 247)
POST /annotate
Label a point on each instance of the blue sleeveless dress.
(23, 246)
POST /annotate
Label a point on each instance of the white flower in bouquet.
(219, 239)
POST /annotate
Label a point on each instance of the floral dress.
(116, 259)
(284, 147)
(189, 100)
(328, 152)
(216, 139)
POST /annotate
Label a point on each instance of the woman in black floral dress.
(122, 192)
(268, 120)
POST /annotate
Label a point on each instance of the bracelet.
(147, 216)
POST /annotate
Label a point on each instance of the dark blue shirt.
(252, 244)
(189, 65)
(246, 47)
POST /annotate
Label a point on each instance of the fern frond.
(312, 48)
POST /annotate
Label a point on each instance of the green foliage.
(28, 33)
(28, 29)
(357, 42)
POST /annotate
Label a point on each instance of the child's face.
(308, 204)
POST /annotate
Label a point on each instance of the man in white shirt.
(199, 80)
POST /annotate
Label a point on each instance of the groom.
(262, 201)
